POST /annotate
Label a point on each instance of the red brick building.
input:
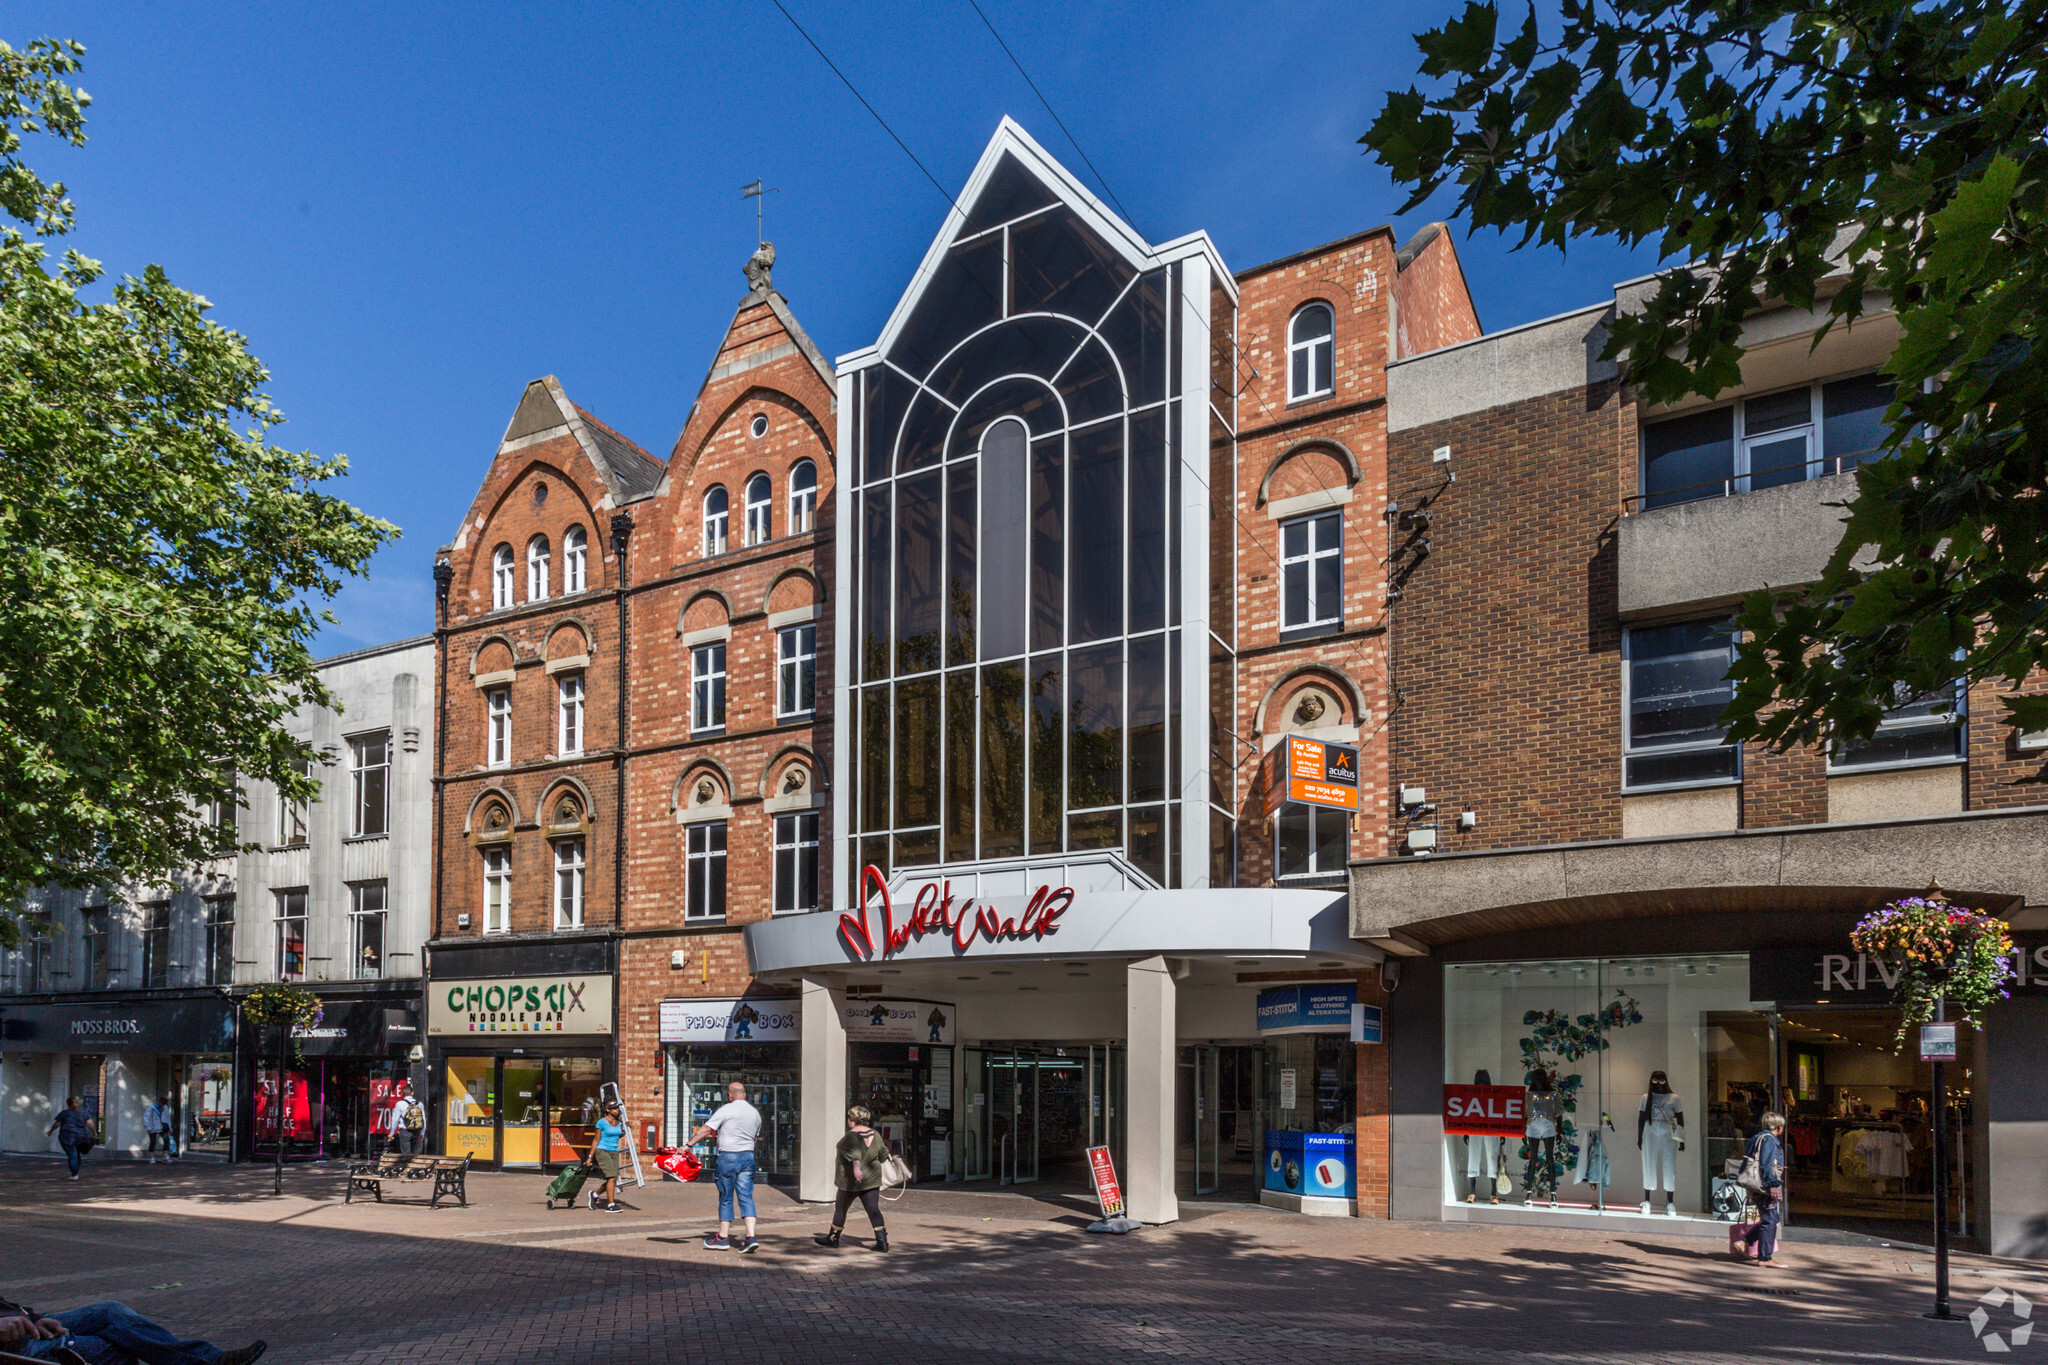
(1571, 836)
(634, 735)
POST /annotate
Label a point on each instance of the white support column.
(824, 1088)
(1150, 1070)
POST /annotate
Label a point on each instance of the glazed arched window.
(760, 493)
(501, 578)
(717, 519)
(1311, 353)
(803, 497)
(575, 560)
(537, 562)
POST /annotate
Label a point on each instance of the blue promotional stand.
(1319, 1165)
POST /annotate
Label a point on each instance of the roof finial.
(758, 267)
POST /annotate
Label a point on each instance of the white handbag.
(895, 1171)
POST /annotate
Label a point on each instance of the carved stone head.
(796, 778)
(1310, 708)
(707, 791)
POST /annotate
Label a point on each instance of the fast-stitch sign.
(1486, 1110)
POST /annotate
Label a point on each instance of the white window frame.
(796, 654)
(539, 560)
(803, 496)
(1956, 718)
(1629, 748)
(501, 578)
(1307, 348)
(760, 507)
(707, 688)
(360, 911)
(1819, 461)
(1316, 815)
(703, 863)
(283, 901)
(575, 560)
(717, 519)
(498, 732)
(359, 823)
(218, 914)
(1321, 616)
(569, 715)
(796, 831)
(497, 914)
(156, 945)
(569, 883)
(294, 818)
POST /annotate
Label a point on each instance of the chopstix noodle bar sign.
(1485, 1110)
(534, 1004)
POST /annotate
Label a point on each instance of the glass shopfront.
(521, 1109)
(330, 1109)
(209, 1104)
(1033, 1110)
(698, 1074)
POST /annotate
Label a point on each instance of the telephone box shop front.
(521, 1062)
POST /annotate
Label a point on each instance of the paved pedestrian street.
(974, 1277)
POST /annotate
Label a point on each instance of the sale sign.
(1322, 774)
(1107, 1192)
(1485, 1110)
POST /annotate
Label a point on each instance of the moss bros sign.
(529, 1004)
(934, 913)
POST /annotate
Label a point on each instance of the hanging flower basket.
(277, 1003)
(1939, 951)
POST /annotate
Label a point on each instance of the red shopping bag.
(679, 1162)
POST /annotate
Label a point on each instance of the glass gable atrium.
(1023, 651)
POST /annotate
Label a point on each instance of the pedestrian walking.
(737, 1124)
(604, 1155)
(405, 1122)
(75, 1132)
(1769, 1150)
(858, 1174)
(162, 1127)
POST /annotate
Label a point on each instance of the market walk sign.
(935, 913)
(527, 1004)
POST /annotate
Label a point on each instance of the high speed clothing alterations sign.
(1322, 774)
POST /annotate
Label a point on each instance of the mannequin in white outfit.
(1482, 1156)
(1660, 1133)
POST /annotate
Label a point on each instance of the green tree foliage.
(1850, 157)
(156, 563)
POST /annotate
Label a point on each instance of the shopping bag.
(680, 1162)
(1738, 1245)
(568, 1184)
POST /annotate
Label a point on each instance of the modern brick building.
(1570, 833)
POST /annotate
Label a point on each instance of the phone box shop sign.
(898, 1021)
(731, 1021)
(529, 1004)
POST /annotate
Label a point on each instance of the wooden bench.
(449, 1174)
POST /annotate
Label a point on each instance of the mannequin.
(1482, 1155)
(1660, 1130)
(1546, 1107)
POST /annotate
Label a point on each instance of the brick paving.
(976, 1277)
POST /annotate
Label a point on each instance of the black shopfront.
(519, 1047)
(340, 1076)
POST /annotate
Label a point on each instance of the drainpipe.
(622, 533)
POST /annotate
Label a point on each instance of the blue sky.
(411, 210)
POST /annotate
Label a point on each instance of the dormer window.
(1311, 353)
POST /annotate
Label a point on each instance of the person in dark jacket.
(857, 1171)
(75, 1133)
(1768, 1147)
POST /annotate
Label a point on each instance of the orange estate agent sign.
(1322, 774)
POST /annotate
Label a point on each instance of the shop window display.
(1611, 1059)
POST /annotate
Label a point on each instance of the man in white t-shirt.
(737, 1124)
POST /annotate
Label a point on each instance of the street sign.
(1937, 1042)
(1108, 1193)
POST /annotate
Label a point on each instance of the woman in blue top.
(604, 1155)
(74, 1130)
(1769, 1150)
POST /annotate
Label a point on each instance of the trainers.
(614, 1208)
(1644, 1207)
(751, 1245)
(716, 1243)
(594, 1205)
